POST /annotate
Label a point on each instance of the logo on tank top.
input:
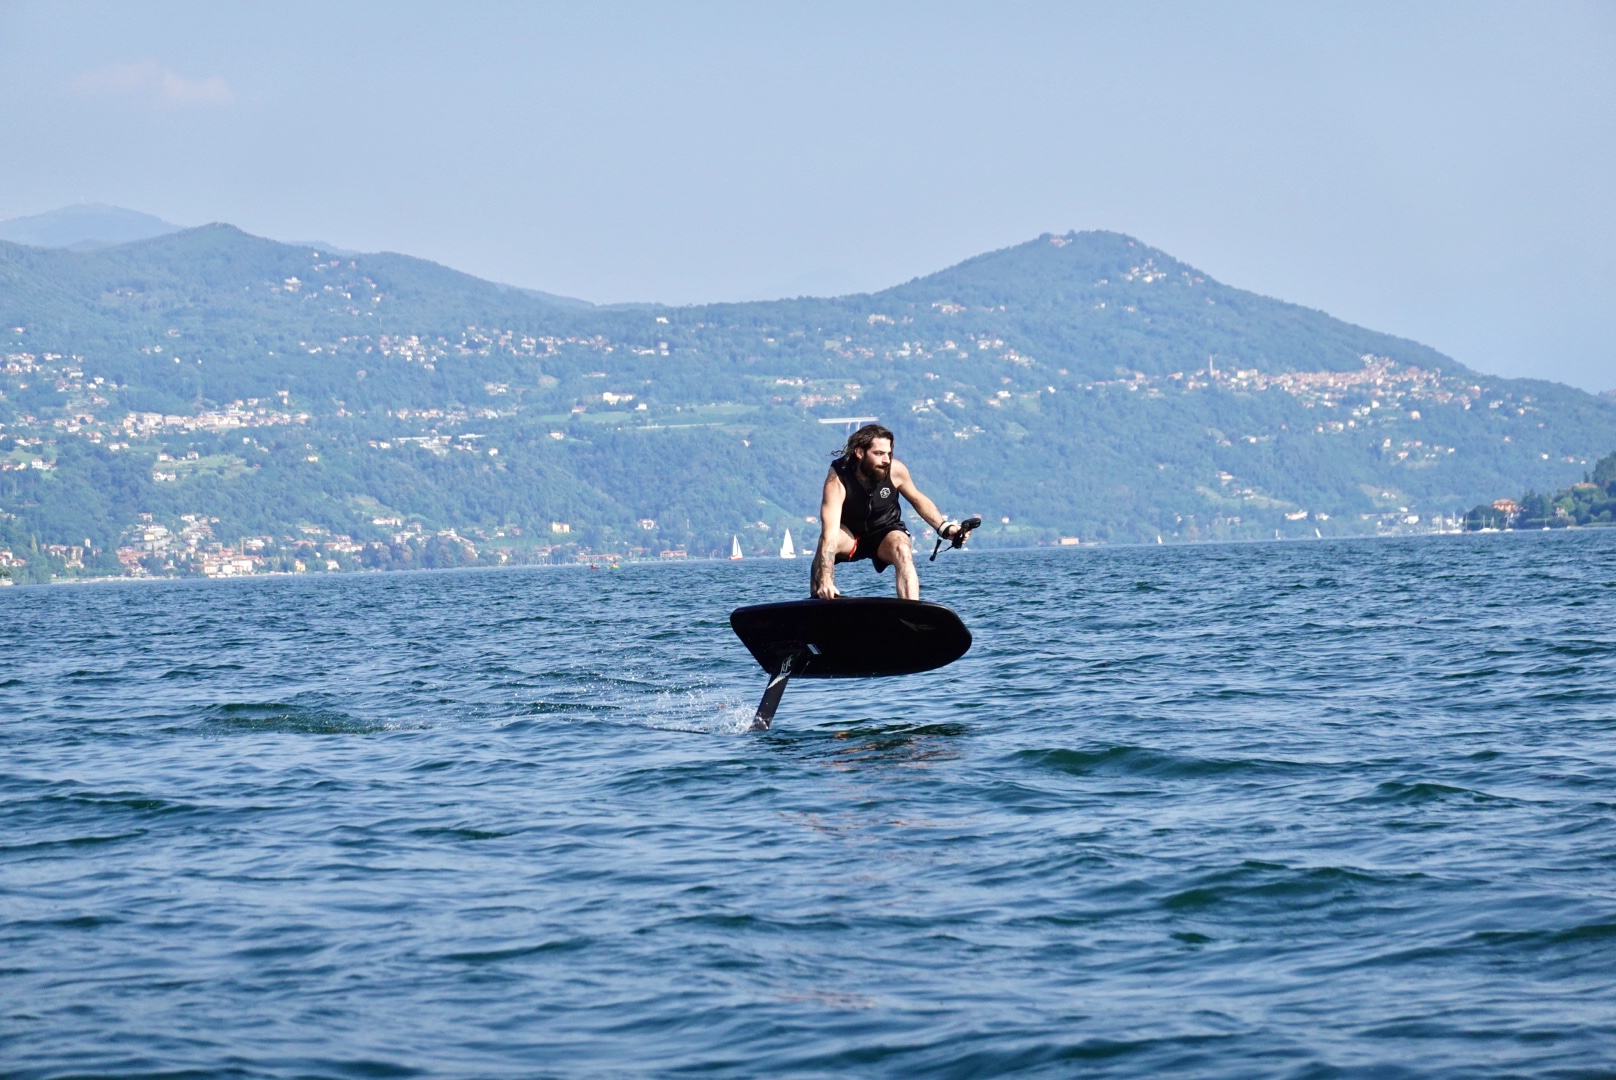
(886, 492)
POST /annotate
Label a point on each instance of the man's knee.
(898, 552)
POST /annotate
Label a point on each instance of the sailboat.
(786, 550)
(734, 548)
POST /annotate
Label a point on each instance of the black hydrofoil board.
(847, 638)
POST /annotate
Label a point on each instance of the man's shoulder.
(900, 471)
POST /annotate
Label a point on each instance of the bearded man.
(860, 517)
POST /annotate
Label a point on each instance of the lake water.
(1344, 808)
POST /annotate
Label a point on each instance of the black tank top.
(866, 510)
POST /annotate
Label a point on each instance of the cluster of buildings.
(65, 373)
(253, 412)
(437, 444)
(478, 341)
(84, 398)
(1382, 381)
(150, 548)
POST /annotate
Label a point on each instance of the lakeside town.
(152, 549)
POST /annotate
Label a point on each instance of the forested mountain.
(307, 408)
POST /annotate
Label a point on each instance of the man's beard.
(871, 472)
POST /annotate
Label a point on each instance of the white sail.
(734, 548)
(786, 550)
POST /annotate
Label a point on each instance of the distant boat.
(734, 548)
(1158, 538)
(786, 550)
(1318, 534)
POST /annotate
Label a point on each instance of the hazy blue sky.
(1442, 171)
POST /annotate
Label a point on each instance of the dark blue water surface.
(1328, 809)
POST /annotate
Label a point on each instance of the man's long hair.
(861, 440)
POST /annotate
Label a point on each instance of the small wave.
(1397, 793)
(199, 671)
(514, 952)
(73, 922)
(1587, 933)
(1143, 761)
(267, 717)
(1587, 941)
(1275, 888)
(459, 833)
(1579, 648)
(140, 804)
(70, 843)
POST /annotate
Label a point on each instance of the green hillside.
(208, 391)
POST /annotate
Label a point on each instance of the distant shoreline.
(282, 575)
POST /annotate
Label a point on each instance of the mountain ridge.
(947, 276)
(84, 227)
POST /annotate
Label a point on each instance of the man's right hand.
(963, 529)
(826, 590)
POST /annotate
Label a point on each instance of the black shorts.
(865, 547)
